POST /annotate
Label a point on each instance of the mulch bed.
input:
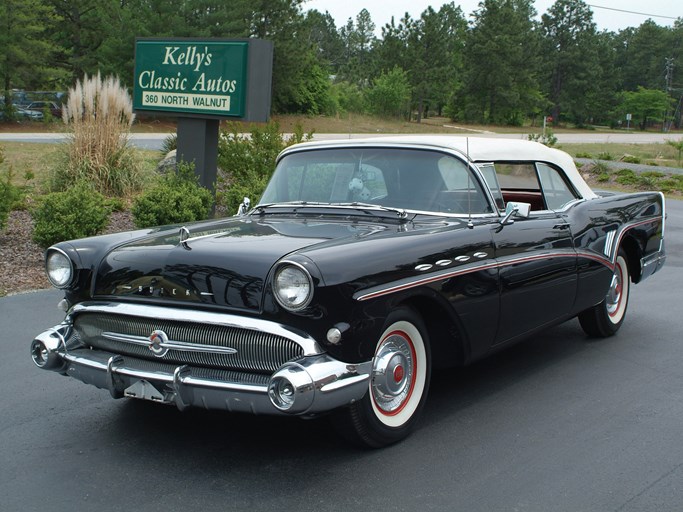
(22, 259)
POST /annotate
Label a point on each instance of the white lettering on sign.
(195, 101)
(204, 84)
(190, 57)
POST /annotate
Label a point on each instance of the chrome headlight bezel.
(285, 274)
(56, 262)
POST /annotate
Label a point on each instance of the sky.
(381, 11)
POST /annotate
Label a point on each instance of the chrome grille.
(256, 351)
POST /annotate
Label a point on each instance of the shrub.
(602, 178)
(597, 168)
(670, 185)
(582, 154)
(648, 182)
(389, 95)
(76, 213)
(678, 146)
(169, 144)
(348, 97)
(630, 159)
(5, 202)
(99, 114)
(547, 139)
(627, 177)
(246, 163)
(9, 194)
(605, 156)
(177, 198)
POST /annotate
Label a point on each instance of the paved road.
(558, 423)
(155, 140)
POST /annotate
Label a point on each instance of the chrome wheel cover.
(393, 373)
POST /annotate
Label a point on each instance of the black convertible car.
(365, 263)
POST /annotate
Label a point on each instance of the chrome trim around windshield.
(258, 208)
(308, 344)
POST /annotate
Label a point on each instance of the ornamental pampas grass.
(99, 114)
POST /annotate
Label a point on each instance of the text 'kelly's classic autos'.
(365, 263)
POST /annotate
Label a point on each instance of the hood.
(223, 263)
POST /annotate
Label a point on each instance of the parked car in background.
(24, 113)
(41, 106)
(365, 264)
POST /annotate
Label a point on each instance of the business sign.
(199, 76)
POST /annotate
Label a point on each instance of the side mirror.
(244, 207)
(513, 209)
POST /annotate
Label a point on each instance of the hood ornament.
(184, 236)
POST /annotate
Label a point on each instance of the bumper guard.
(310, 385)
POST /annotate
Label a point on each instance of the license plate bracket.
(144, 390)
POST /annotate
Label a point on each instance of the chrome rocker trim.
(319, 383)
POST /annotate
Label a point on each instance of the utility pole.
(668, 78)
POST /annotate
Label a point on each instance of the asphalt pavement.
(557, 423)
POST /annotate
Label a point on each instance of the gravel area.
(22, 259)
(616, 165)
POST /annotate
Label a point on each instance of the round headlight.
(59, 269)
(293, 287)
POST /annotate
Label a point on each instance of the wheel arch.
(446, 338)
(633, 251)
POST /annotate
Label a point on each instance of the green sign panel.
(206, 77)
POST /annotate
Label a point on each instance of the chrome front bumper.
(310, 385)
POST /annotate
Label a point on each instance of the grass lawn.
(30, 163)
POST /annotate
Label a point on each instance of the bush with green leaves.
(627, 177)
(246, 163)
(176, 198)
(169, 144)
(389, 95)
(10, 195)
(76, 213)
(547, 139)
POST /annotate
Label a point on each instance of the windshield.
(411, 179)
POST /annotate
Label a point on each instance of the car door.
(536, 257)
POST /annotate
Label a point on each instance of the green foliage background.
(246, 163)
(503, 66)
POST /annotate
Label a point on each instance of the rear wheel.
(398, 385)
(605, 319)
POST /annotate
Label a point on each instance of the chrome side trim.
(416, 281)
(307, 343)
(613, 239)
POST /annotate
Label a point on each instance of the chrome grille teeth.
(256, 351)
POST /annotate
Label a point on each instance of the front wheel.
(398, 385)
(604, 320)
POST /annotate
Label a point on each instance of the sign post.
(202, 81)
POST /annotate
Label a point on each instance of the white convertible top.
(477, 149)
